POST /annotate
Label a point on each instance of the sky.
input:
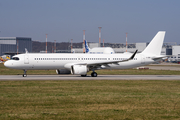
(64, 20)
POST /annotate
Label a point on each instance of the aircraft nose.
(7, 64)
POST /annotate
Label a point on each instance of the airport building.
(119, 47)
(167, 49)
(175, 54)
(14, 45)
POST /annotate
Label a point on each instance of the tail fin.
(86, 47)
(155, 46)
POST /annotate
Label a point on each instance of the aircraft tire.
(24, 75)
(83, 75)
(93, 74)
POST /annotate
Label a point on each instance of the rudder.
(155, 46)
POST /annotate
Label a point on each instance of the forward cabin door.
(26, 59)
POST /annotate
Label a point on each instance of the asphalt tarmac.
(99, 77)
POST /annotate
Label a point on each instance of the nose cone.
(8, 64)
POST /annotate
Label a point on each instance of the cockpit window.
(15, 58)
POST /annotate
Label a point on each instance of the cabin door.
(26, 59)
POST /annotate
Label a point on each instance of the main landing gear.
(93, 74)
(25, 75)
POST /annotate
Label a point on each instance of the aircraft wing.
(99, 64)
(111, 62)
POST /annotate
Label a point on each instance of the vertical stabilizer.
(155, 46)
(86, 47)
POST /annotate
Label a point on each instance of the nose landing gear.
(25, 75)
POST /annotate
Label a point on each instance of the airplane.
(98, 50)
(86, 47)
(80, 64)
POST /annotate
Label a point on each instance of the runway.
(100, 77)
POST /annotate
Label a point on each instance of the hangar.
(14, 45)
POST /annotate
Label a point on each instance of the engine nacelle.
(63, 71)
(79, 69)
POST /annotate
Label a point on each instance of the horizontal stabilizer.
(160, 57)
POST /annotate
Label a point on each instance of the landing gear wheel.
(25, 75)
(93, 74)
(83, 75)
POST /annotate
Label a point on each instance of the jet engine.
(79, 69)
(63, 71)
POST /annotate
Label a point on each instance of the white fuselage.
(37, 61)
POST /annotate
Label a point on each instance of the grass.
(7, 71)
(108, 99)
